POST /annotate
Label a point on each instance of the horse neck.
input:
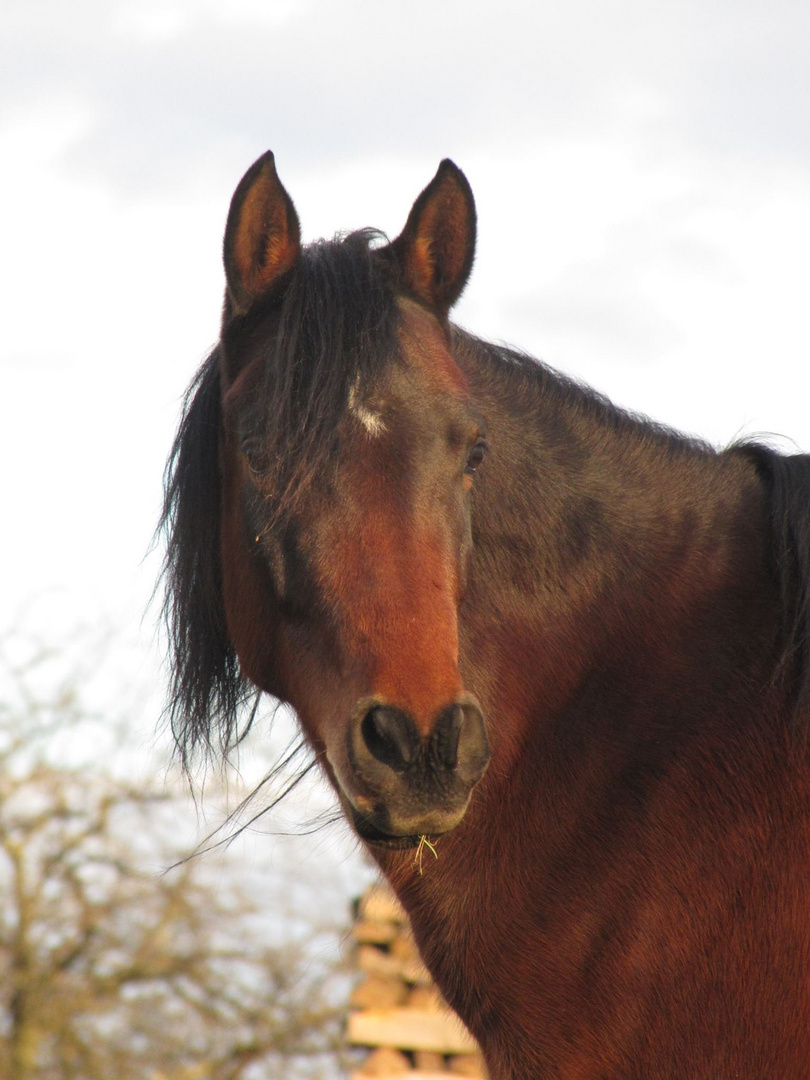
(609, 554)
(620, 627)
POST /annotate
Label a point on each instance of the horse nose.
(385, 743)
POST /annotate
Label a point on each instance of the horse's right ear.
(262, 237)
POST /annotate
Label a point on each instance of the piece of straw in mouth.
(424, 843)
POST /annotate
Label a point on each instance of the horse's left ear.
(435, 250)
(262, 237)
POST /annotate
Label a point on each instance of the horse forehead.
(426, 350)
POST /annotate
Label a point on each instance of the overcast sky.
(642, 175)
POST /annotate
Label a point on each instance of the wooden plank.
(410, 1029)
(412, 1074)
(374, 961)
(374, 932)
(380, 904)
(428, 1061)
(378, 992)
(385, 1061)
(471, 1065)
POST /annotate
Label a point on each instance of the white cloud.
(641, 174)
(186, 90)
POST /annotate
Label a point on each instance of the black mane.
(787, 482)
(523, 377)
(328, 337)
(205, 685)
(333, 329)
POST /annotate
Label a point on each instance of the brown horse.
(568, 646)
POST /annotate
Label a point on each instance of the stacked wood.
(397, 1012)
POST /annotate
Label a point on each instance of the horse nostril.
(460, 739)
(390, 736)
(446, 735)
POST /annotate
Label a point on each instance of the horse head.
(347, 455)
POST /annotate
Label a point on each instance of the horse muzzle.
(404, 783)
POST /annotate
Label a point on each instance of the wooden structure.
(397, 1012)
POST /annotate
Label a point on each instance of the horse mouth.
(369, 833)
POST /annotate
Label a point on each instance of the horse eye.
(256, 455)
(475, 457)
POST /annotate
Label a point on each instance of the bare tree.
(110, 967)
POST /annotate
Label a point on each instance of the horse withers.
(565, 645)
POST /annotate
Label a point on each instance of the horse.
(564, 645)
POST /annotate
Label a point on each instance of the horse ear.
(435, 250)
(262, 237)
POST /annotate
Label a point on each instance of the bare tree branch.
(111, 968)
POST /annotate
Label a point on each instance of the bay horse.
(565, 645)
